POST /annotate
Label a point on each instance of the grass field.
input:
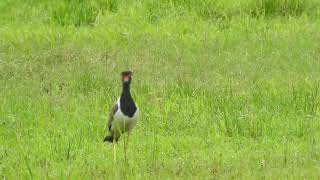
(226, 89)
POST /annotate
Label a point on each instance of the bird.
(124, 114)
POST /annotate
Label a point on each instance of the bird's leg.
(126, 145)
(114, 150)
(124, 142)
(128, 139)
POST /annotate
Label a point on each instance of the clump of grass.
(223, 10)
(279, 8)
(205, 9)
(305, 99)
(80, 12)
(155, 10)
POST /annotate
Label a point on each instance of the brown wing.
(113, 111)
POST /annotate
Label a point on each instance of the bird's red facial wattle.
(126, 78)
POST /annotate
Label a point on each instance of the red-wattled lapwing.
(124, 114)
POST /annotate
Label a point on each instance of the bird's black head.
(126, 77)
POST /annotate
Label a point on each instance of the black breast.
(127, 105)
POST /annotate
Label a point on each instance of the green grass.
(226, 89)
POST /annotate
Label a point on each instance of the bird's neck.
(126, 90)
(127, 104)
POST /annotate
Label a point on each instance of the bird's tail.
(110, 139)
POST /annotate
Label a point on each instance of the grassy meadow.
(227, 89)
